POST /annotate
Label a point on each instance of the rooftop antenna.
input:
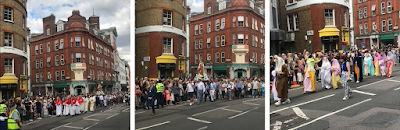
(93, 11)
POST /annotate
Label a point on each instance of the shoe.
(278, 103)
(152, 114)
(358, 82)
(345, 98)
(190, 104)
(287, 101)
(30, 119)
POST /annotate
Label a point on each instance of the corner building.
(160, 38)
(72, 57)
(228, 37)
(13, 53)
(376, 23)
(315, 25)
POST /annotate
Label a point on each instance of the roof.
(238, 3)
(111, 29)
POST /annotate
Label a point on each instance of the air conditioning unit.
(67, 77)
(290, 37)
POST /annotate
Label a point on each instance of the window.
(41, 77)
(167, 17)
(24, 68)
(48, 61)
(252, 23)
(41, 49)
(208, 27)
(359, 13)
(222, 23)
(8, 13)
(251, 4)
(48, 75)
(222, 57)
(57, 76)
(255, 25)
(195, 30)
(208, 57)
(195, 59)
(37, 78)
(389, 25)
(208, 42)
(240, 21)
(365, 28)
(233, 39)
(48, 31)
(216, 41)
(295, 21)
(233, 21)
(201, 57)
(8, 66)
(373, 25)
(61, 44)
(183, 24)
(41, 63)
(361, 28)
(217, 57)
(217, 25)
(252, 40)
(77, 42)
(36, 50)
(289, 23)
(8, 39)
(383, 8)
(48, 47)
(72, 42)
(55, 45)
(62, 61)
(329, 20)
(56, 60)
(256, 38)
(195, 44)
(240, 39)
(365, 12)
(359, 1)
(262, 43)
(37, 63)
(182, 48)
(201, 44)
(223, 40)
(167, 45)
(23, 45)
(222, 5)
(23, 22)
(208, 10)
(344, 19)
(383, 26)
(373, 10)
(62, 74)
(201, 29)
(72, 58)
(389, 7)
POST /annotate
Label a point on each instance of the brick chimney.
(49, 22)
(94, 22)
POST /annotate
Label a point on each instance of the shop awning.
(8, 79)
(388, 36)
(166, 59)
(329, 31)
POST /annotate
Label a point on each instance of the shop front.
(166, 65)
(8, 86)
(329, 39)
(389, 40)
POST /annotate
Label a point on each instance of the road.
(239, 114)
(373, 105)
(106, 118)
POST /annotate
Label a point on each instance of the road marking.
(300, 113)
(302, 103)
(198, 120)
(373, 83)
(241, 113)
(393, 80)
(295, 89)
(140, 112)
(250, 100)
(209, 110)
(230, 110)
(202, 128)
(73, 127)
(90, 116)
(30, 123)
(250, 103)
(61, 126)
(366, 93)
(112, 115)
(321, 117)
(396, 89)
(91, 126)
(91, 119)
(277, 125)
(143, 128)
(127, 109)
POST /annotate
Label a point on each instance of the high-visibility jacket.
(159, 87)
(12, 124)
(3, 109)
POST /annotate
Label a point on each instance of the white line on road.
(127, 109)
(90, 116)
(209, 110)
(143, 128)
(393, 80)
(373, 83)
(248, 103)
(396, 89)
(300, 113)
(202, 128)
(91, 119)
(250, 100)
(198, 120)
(230, 110)
(140, 112)
(30, 123)
(366, 93)
(321, 117)
(295, 89)
(302, 103)
(91, 126)
(61, 126)
(112, 115)
(241, 113)
(73, 127)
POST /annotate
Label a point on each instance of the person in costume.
(67, 106)
(81, 104)
(282, 86)
(309, 80)
(326, 74)
(370, 62)
(390, 63)
(86, 102)
(345, 77)
(358, 77)
(58, 104)
(382, 64)
(91, 100)
(366, 69)
(73, 106)
(376, 64)
(274, 82)
(77, 106)
(335, 74)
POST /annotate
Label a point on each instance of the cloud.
(112, 13)
(196, 5)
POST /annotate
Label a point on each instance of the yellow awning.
(166, 59)
(329, 31)
(8, 79)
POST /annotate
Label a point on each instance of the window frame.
(295, 22)
(165, 17)
(57, 76)
(201, 44)
(9, 61)
(360, 28)
(217, 57)
(365, 28)
(208, 27)
(223, 40)
(11, 20)
(200, 29)
(383, 23)
(10, 37)
(373, 10)
(389, 6)
(217, 41)
(48, 61)
(77, 42)
(208, 57)
(333, 17)
(222, 57)
(365, 12)
(240, 20)
(383, 8)
(208, 42)
(171, 45)
(217, 25)
(62, 60)
(222, 24)
(389, 24)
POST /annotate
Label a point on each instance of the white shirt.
(101, 98)
(255, 85)
(190, 88)
(200, 87)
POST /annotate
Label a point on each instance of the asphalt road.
(105, 118)
(374, 104)
(239, 114)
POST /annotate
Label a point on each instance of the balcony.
(240, 48)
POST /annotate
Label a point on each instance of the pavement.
(237, 114)
(103, 118)
(373, 105)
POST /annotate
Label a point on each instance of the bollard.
(3, 123)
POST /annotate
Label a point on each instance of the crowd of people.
(169, 92)
(38, 107)
(333, 69)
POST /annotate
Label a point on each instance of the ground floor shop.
(11, 86)
(231, 71)
(378, 41)
(70, 88)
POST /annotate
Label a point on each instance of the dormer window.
(60, 27)
(251, 4)
(48, 31)
(209, 10)
(222, 5)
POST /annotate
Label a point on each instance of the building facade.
(71, 57)
(314, 25)
(277, 34)
(376, 23)
(228, 37)
(160, 38)
(120, 70)
(13, 49)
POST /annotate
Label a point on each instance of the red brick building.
(228, 37)
(376, 23)
(71, 57)
(315, 25)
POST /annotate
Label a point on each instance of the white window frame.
(61, 44)
(77, 42)
(389, 23)
(208, 42)
(208, 56)
(217, 41)
(256, 26)
(333, 17)
(208, 27)
(201, 44)
(48, 61)
(295, 22)
(345, 19)
(233, 39)
(41, 76)
(166, 18)
(252, 40)
(37, 77)
(256, 38)
(359, 13)
(48, 75)
(172, 45)
(201, 29)
(196, 30)
(374, 26)
(41, 63)
(222, 23)
(195, 45)
(373, 10)
(217, 25)
(195, 59)
(209, 10)
(56, 45)
(365, 12)
(37, 63)
(48, 47)
(62, 75)
(36, 50)
(223, 40)
(9, 37)
(12, 65)
(383, 23)
(383, 8)
(10, 13)
(201, 57)
(222, 57)
(217, 57)
(240, 37)
(288, 23)
(78, 58)
(233, 21)
(360, 28)
(48, 31)
(365, 28)
(240, 20)
(252, 23)
(56, 60)
(57, 76)
(389, 7)
(40, 49)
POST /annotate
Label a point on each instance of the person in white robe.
(326, 77)
(77, 106)
(58, 106)
(86, 102)
(274, 91)
(105, 101)
(91, 103)
(66, 106)
(72, 109)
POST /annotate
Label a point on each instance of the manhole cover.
(380, 120)
(286, 122)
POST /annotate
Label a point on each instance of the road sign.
(147, 58)
(310, 32)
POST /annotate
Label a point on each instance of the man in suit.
(152, 97)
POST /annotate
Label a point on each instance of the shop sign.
(166, 66)
(330, 39)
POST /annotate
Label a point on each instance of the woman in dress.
(335, 74)
(274, 82)
(382, 63)
(376, 64)
(371, 68)
(282, 78)
(390, 63)
(91, 100)
(345, 77)
(366, 69)
(167, 96)
(326, 74)
(309, 80)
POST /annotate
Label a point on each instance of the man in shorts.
(190, 91)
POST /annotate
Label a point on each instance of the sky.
(112, 13)
(195, 5)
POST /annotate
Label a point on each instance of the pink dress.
(166, 92)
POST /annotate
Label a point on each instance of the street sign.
(147, 58)
(310, 32)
